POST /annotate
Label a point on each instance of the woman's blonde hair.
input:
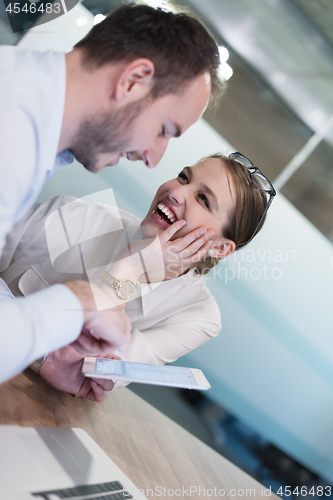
(250, 204)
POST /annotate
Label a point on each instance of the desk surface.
(150, 448)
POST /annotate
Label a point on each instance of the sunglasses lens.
(242, 160)
(261, 182)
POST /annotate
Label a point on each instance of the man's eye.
(204, 198)
(183, 176)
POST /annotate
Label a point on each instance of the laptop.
(55, 463)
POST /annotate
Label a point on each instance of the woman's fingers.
(170, 231)
(193, 241)
(195, 247)
(198, 255)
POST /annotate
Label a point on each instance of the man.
(139, 78)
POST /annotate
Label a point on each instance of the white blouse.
(169, 319)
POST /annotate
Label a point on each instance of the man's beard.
(107, 133)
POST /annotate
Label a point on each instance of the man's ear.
(135, 81)
(224, 249)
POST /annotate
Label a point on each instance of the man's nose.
(155, 154)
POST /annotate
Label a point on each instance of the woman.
(206, 213)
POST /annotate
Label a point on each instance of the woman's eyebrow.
(212, 194)
(189, 172)
(205, 188)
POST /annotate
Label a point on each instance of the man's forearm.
(35, 325)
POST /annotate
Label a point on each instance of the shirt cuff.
(60, 315)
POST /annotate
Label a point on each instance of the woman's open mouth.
(164, 214)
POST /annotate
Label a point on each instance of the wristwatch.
(124, 288)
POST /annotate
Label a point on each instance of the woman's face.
(203, 195)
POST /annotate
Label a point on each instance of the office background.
(272, 365)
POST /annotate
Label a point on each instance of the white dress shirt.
(169, 319)
(32, 96)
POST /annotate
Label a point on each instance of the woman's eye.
(183, 176)
(163, 132)
(204, 198)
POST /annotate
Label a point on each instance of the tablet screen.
(140, 371)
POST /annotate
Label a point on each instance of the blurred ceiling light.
(279, 78)
(225, 71)
(81, 21)
(99, 18)
(164, 4)
(224, 54)
(318, 117)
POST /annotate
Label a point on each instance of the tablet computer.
(172, 376)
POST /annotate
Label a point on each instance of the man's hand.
(103, 330)
(63, 370)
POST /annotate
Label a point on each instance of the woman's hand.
(165, 258)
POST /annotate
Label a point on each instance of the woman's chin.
(154, 223)
(149, 229)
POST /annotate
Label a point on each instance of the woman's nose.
(177, 196)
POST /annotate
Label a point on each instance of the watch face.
(126, 289)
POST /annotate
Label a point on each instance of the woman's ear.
(223, 250)
(135, 81)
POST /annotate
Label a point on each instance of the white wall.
(272, 364)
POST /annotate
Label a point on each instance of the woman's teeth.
(167, 212)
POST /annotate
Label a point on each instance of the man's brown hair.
(178, 44)
(249, 205)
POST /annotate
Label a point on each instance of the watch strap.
(110, 280)
(117, 284)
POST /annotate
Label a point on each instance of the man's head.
(162, 69)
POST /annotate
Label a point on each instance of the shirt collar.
(63, 158)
